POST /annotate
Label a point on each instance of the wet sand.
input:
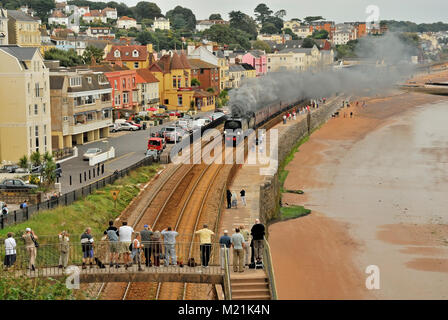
(377, 186)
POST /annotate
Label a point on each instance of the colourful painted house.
(258, 60)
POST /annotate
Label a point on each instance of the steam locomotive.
(235, 127)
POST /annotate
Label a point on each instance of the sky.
(418, 11)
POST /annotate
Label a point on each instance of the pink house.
(257, 59)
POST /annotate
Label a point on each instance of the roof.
(296, 50)
(145, 76)
(236, 68)
(58, 14)
(126, 53)
(20, 16)
(199, 93)
(57, 81)
(106, 67)
(199, 64)
(184, 60)
(126, 18)
(247, 66)
(21, 53)
(257, 53)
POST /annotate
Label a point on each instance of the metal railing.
(269, 266)
(227, 281)
(22, 215)
(48, 257)
(62, 153)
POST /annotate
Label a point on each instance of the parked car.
(39, 169)
(91, 152)
(139, 126)
(185, 124)
(129, 127)
(174, 134)
(200, 122)
(154, 154)
(9, 168)
(157, 144)
(115, 127)
(16, 184)
(217, 115)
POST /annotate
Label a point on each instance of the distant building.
(202, 25)
(3, 26)
(126, 23)
(257, 59)
(98, 32)
(81, 107)
(23, 29)
(94, 15)
(25, 116)
(83, 10)
(110, 13)
(206, 73)
(301, 30)
(161, 23)
(249, 71)
(344, 33)
(58, 17)
(278, 38)
(236, 74)
(131, 56)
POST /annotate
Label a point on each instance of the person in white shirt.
(125, 233)
(10, 251)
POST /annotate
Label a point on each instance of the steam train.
(235, 127)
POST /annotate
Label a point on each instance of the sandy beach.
(376, 184)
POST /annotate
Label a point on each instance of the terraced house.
(81, 107)
(23, 29)
(131, 56)
(25, 116)
(148, 89)
(174, 74)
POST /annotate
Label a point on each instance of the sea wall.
(270, 188)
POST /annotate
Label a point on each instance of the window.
(37, 89)
(29, 110)
(65, 118)
(123, 83)
(45, 137)
(117, 54)
(115, 84)
(135, 53)
(44, 108)
(174, 82)
(36, 135)
(133, 82)
(125, 97)
(89, 80)
(75, 82)
(36, 109)
(29, 87)
(136, 65)
(179, 100)
(179, 81)
(89, 116)
(117, 100)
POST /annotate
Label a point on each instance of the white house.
(161, 23)
(344, 33)
(58, 17)
(202, 25)
(110, 13)
(126, 23)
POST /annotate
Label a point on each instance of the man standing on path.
(125, 232)
(243, 196)
(112, 235)
(238, 254)
(257, 233)
(246, 237)
(87, 248)
(169, 238)
(205, 239)
(229, 199)
(146, 235)
(64, 249)
(284, 119)
(30, 246)
(225, 244)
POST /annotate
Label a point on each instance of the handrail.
(227, 283)
(270, 269)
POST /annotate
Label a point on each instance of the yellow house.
(23, 29)
(174, 75)
(25, 115)
(131, 56)
(223, 64)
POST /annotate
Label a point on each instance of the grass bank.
(95, 210)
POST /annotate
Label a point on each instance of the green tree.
(42, 7)
(182, 18)
(195, 82)
(225, 34)
(24, 162)
(320, 34)
(277, 22)
(48, 172)
(92, 52)
(36, 158)
(261, 45)
(291, 33)
(280, 14)
(269, 28)
(262, 12)
(215, 16)
(241, 21)
(145, 37)
(308, 42)
(148, 10)
(310, 19)
(67, 58)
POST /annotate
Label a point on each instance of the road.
(129, 147)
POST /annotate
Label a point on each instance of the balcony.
(88, 126)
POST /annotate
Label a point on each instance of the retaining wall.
(270, 189)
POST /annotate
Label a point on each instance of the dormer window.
(117, 54)
(135, 53)
(75, 82)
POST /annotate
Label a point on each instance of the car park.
(9, 168)
(16, 184)
(139, 126)
(91, 152)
